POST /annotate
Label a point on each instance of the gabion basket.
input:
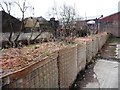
(81, 54)
(67, 61)
(89, 52)
(94, 45)
(42, 74)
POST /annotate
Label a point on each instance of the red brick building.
(111, 24)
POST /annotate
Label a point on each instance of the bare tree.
(33, 29)
(39, 32)
(68, 15)
(35, 26)
(23, 8)
(1, 6)
(8, 5)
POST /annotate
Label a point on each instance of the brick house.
(54, 24)
(111, 24)
(39, 23)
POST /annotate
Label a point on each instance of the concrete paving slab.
(106, 75)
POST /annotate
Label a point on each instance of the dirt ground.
(111, 50)
(108, 51)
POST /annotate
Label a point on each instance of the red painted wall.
(111, 24)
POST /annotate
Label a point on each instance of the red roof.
(112, 17)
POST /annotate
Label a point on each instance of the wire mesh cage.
(67, 66)
(89, 52)
(102, 39)
(81, 54)
(94, 45)
(42, 74)
(58, 69)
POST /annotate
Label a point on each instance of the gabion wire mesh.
(81, 54)
(43, 74)
(60, 68)
(67, 66)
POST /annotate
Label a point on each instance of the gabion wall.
(89, 52)
(81, 54)
(42, 74)
(94, 45)
(59, 70)
(67, 66)
(102, 39)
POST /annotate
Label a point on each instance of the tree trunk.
(37, 37)
(21, 28)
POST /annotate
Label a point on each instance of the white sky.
(88, 8)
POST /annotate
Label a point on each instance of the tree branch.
(17, 3)
(2, 7)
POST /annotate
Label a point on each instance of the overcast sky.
(88, 8)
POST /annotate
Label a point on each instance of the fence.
(60, 68)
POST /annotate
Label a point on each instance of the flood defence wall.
(59, 70)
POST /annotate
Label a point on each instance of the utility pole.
(97, 23)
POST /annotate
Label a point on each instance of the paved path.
(102, 74)
(106, 75)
